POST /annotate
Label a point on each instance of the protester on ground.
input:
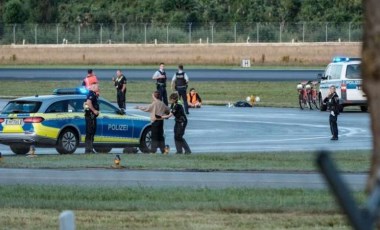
(160, 77)
(193, 99)
(157, 109)
(180, 81)
(178, 112)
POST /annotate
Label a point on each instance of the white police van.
(345, 74)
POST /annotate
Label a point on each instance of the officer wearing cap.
(179, 83)
(91, 112)
(160, 77)
(332, 101)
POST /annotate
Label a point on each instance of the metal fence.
(148, 33)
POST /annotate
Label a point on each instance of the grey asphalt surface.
(132, 178)
(222, 129)
(214, 129)
(237, 74)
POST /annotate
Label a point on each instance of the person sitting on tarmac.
(193, 99)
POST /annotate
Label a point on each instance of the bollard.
(67, 220)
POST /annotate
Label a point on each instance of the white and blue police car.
(345, 74)
(58, 121)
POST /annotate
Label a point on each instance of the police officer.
(89, 79)
(160, 77)
(121, 89)
(91, 112)
(332, 101)
(177, 111)
(179, 83)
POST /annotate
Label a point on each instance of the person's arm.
(157, 75)
(124, 88)
(91, 107)
(199, 98)
(186, 78)
(167, 116)
(173, 82)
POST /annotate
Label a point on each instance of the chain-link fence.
(148, 33)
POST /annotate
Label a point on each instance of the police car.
(58, 121)
(345, 74)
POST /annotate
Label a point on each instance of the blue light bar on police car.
(68, 91)
(345, 59)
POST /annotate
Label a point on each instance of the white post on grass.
(67, 220)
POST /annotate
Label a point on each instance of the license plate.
(13, 122)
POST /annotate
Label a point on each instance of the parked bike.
(302, 95)
(312, 94)
(308, 95)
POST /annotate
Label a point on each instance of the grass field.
(38, 207)
(349, 161)
(278, 94)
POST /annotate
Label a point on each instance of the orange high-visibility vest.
(89, 80)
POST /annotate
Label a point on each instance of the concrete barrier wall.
(295, 54)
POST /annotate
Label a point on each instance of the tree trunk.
(371, 80)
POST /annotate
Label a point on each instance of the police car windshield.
(21, 107)
(353, 71)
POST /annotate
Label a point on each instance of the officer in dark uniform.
(332, 101)
(160, 77)
(91, 112)
(121, 89)
(177, 111)
(179, 83)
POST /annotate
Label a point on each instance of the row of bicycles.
(308, 95)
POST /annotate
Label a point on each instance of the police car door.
(353, 83)
(115, 128)
(324, 86)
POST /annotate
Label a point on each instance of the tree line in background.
(68, 12)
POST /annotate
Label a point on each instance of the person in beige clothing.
(157, 109)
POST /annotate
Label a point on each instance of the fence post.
(167, 33)
(257, 32)
(212, 32)
(303, 32)
(326, 30)
(190, 33)
(349, 31)
(122, 26)
(78, 33)
(101, 33)
(14, 34)
(280, 32)
(67, 220)
(57, 33)
(35, 34)
(235, 32)
(145, 25)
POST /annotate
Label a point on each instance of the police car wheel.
(322, 107)
(146, 140)
(364, 108)
(19, 149)
(67, 142)
(102, 149)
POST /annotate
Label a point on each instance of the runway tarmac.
(214, 129)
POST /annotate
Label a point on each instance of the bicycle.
(302, 96)
(312, 94)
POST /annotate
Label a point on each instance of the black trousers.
(158, 139)
(182, 94)
(163, 93)
(334, 125)
(90, 132)
(120, 96)
(180, 142)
